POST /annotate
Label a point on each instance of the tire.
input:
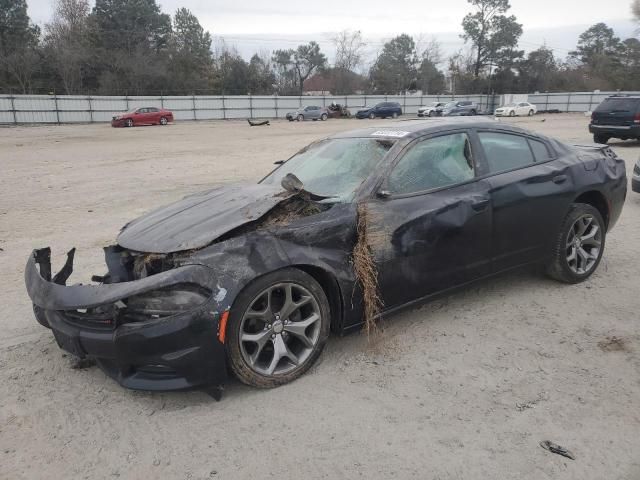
(473, 113)
(559, 267)
(239, 354)
(372, 116)
(163, 120)
(128, 122)
(531, 113)
(431, 114)
(300, 118)
(600, 138)
(512, 113)
(323, 117)
(395, 115)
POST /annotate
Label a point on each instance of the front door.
(431, 230)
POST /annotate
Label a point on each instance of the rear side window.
(540, 151)
(619, 105)
(434, 163)
(505, 151)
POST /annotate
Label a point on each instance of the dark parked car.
(459, 109)
(381, 110)
(635, 178)
(254, 277)
(142, 116)
(616, 117)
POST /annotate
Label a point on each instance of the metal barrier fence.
(24, 109)
(571, 102)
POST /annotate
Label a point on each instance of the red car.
(142, 116)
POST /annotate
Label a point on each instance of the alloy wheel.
(280, 329)
(584, 242)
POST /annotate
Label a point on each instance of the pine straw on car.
(366, 272)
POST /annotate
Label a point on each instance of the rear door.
(616, 112)
(153, 115)
(431, 230)
(530, 190)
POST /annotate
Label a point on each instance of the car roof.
(410, 129)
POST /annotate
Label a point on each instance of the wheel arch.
(331, 288)
(597, 200)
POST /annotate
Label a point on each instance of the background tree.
(599, 52)
(493, 35)
(430, 79)
(395, 68)
(67, 43)
(19, 42)
(190, 61)
(262, 80)
(306, 60)
(349, 53)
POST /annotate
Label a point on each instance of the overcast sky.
(254, 25)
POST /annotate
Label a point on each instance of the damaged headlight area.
(152, 327)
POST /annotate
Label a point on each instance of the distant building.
(333, 81)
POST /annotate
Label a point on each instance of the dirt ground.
(462, 388)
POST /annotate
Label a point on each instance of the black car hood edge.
(199, 219)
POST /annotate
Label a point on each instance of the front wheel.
(323, 117)
(129, 122)
(277, 328)
(163, 120)
(300, 118)
(579, 245)
(372, 116)
(512, 113)
(531, 113)
(473, 113)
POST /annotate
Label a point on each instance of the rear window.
(619, 105)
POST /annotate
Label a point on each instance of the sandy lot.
(463, 388)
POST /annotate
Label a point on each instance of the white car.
(516, 110)
(431, 110)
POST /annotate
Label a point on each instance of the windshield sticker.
(390, 133)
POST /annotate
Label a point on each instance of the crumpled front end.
(149, 325)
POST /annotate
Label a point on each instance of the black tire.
(473, 113)
(601, 138)
(243, 301)
(300, 118)
(163, 121)
(431, 113)
(128, 122)
(558, 267)
(395, 115)
(531, 113)
(372, 116)
(324, 117)
(512, 113)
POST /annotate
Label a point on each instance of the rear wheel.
(277, 328)
(323, 117)
(473, 113)
(579, 245)
(600, 138)
(163, 120)
(531, 113)
(395, 115)
(300, 118)
(129, 122)
(431, 113)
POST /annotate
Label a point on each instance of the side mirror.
(279, 162)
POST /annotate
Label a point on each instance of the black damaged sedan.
(253, 278)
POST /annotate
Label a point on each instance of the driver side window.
(434, 163)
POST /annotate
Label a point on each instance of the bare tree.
(66, 41)
(349, 55)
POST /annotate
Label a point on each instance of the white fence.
(20, 109)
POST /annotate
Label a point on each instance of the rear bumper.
(629, 131)
(175, 352)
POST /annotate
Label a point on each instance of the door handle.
(560, 179)
(480, 204)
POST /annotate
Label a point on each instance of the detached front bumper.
(128, 328)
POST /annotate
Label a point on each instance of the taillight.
(636, 119)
